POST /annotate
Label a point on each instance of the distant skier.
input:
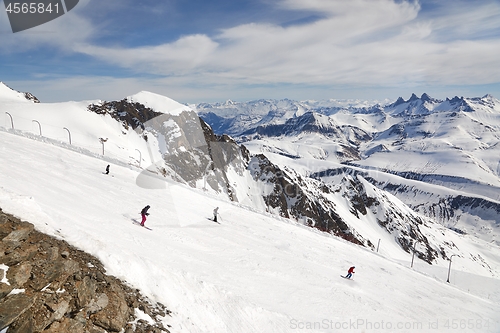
(107, 170)
(144, 213)
(350, 272)
(216, 212)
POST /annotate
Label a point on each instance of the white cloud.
(180, 57)
(359, 41)
(356, 42)
(461, 19)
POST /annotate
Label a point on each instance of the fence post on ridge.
(102, 141)
(39, 126)
(11, 120)
(69, 133)
(449, 268)
(140, 157)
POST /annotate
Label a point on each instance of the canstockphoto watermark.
(448, 324)
(355, 324)
(24, 15)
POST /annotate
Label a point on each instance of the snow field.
(252, 273)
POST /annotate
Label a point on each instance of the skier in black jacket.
(144, 213)
(216, 212)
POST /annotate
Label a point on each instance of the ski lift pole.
(11, 120)
(69, 133)
(449, 268)
(102, 140)
(39, 126)
(140, 157)
(151, 157)
(413, 255)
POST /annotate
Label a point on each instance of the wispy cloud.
(341, 43)
(365, 41)
(463, 20)
(183, 56)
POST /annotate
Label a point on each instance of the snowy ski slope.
(252, 273)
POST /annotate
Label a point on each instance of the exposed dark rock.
(20, 234)
(19, 274)
(29, 96)
(291, 197)
(85, 291)
(5, 289)
(12, 258)
(129, 114)
(24, 324)
(115, 318)
(12, 306)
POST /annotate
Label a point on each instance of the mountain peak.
(158, 103)
(426, 97)
(413, 98)
(399, 101)
(7, 93)
(455, 99)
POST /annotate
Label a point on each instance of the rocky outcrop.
(46, 285)
(191, 151)
(127, 113)
(304, 199)
(30, 97)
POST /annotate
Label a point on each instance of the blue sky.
(204, 51)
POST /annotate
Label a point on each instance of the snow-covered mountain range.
(411, 177)
(401, 166)
(440, 157)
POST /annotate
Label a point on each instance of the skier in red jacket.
(350, 272)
